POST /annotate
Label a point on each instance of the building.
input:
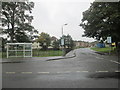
(36, 45)
(82, 44)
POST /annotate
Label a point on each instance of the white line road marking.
(78, 71)
(99, 58)
(82, 71)
(115, 61)
(44, 72)
(102, 71)
(85, 71)
(117, 71)
(10, 72)
(60, 72)
(65, 72)
(26, 72)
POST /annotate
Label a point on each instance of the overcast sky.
(49, 17)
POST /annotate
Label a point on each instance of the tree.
(101, 20)
(2, 43)
(16, 20)
(44, 39)
(68, 42)
(55, 45)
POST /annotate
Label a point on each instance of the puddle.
(105, 75)
(14, 62)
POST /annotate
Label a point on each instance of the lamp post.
(63, 41)
(62, 28)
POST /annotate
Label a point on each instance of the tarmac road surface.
(87, 70)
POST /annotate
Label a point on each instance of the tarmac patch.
(105, 75)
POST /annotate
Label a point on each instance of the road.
(87, 70)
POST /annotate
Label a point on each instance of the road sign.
(62, 42)
(109, 40)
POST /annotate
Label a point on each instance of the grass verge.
(104, 50)
(38, 53)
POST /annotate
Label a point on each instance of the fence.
(39, 53)
(46, 53)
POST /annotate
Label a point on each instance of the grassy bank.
(104, 50)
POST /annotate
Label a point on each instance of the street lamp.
(62, 28)
(63, 41)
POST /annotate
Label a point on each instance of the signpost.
(109, 41)
(118, 51)
(62, 41)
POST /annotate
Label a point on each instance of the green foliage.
(38, 53)
(68, 42)
(47, 53)
(4, 41)
(105, 50)
(55, 45)
(102, 19)
(17, 19)
(44, 39)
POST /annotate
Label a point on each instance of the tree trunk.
(12, 24)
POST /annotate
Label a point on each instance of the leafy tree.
(44, 39)
(68, 42)
(16, 20)
(2, 43)
(101, 20)
(55, 45)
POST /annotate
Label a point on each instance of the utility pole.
(63, 40)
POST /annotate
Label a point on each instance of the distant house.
(53, 38)
(36, 45)
(82, 44)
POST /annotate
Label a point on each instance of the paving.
(86, 69)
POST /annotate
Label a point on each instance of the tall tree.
(17, 20)
(102, 19)
(44, 39)
(68, 41)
